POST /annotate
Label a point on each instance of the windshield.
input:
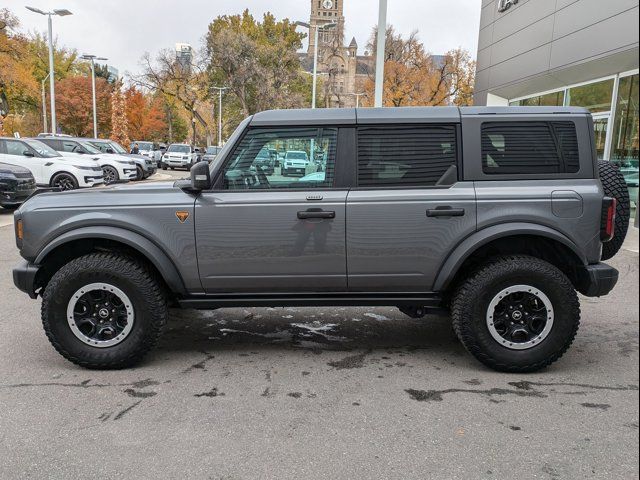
(117, 148)
(230, 143)
(43, 149)
(179, 148)
(212, 150)
(143, 146)
(296, 156)
(89, 148)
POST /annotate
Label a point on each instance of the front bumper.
(24, 276)
(14, 198)
(596, 280)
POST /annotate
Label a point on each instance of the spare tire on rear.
(615, 187)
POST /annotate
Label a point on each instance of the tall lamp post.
(315, 54)
(382, 37)
(92, 59)
(61, 12)
(220, 90)
(44, 104)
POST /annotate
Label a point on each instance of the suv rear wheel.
(104, 311)
(516, 313)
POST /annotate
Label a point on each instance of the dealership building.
(566, 52)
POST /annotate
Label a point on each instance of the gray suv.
(494, 215)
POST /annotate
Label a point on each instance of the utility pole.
(220, 90)
(61, 12)
(382, 37)
(92, 59)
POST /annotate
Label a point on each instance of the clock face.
(327, 4)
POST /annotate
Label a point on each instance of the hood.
(15, 170)
(100, 199)
(82, 160)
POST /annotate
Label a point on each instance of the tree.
(74, 106)
(119, 125)
(145, 116)
(256, 60)
(414, 77)
(17, 84)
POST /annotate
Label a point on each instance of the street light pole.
(382, 37)
(220, 90)
(92, 59)
(60, 12)
(44, 104)
(315, 54)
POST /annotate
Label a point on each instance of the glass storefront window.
(600, 129)
(624, 144)
(594, 96)
(555, 99)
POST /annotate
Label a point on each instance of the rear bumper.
(596, 280)
(24, 276)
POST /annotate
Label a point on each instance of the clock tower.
(323, 12)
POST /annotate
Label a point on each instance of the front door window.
(282, 158)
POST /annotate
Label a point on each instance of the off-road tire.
(135, 280)
(472, 297)
(614, 186)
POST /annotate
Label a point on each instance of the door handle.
(316, 214)
(445, 212)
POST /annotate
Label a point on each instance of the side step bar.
(210, 302)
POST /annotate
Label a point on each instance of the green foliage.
(256, 60)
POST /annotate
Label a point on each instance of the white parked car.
(153, 150)
(49, 168)
(115, 168)
(181, 155)
(295, 161)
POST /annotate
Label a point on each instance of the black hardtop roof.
(363, 116)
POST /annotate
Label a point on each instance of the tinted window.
(529, 148)
(308, 163)
(416, 155)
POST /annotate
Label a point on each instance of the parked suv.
(181, 155)
(495, 215)
(115, 169)
(145, 166)
(48, 167)
(16, 184)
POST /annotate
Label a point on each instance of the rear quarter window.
(529, 148)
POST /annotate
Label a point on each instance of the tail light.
(608, 222)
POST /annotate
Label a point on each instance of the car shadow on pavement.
(315, 329)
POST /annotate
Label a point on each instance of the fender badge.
(182, 216)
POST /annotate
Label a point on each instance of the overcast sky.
(123, 30)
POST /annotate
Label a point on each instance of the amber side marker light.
(19, 230)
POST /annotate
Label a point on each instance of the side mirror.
(110, 150)
(28, 153)
(200, 176)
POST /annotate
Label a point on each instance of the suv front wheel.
(103, 310)
(516, 313)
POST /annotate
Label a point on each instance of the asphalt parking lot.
(319, 393)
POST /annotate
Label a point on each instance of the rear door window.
(405, 156)
(529, 148)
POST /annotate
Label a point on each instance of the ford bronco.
(497, 216)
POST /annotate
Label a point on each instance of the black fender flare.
(146, 247)
(472, 243)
